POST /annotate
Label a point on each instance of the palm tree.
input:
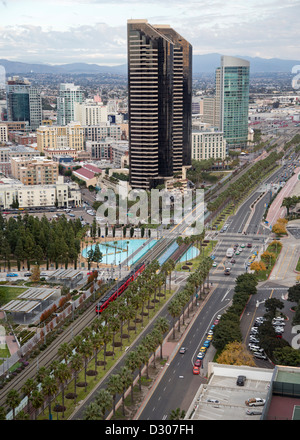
(41, 374)
(37, 400)
(92, 412)
(49, 389)
(86, 351)
(13, 400)
(162, 325)
(28, 387)
(106, 338)
(96, 341)
(144, 354)
(104, 401)
(126, 378)
(177, 414)
(2, 413)
(174, 309)
(114, 386)
(64, 351)
(131, 362)
(76, 365)
(62, 374)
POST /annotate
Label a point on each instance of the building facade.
(208, 145)
(159, 103)
(90, 112)
(53, 137)
(35, 196)
(24, 102)
(68, 95)
(232, 99)
(35, 171)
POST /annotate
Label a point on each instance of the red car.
(196, 370)
(197, 363)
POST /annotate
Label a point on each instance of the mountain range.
(201, 64)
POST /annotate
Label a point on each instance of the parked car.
(260, 355)
(11, 274)
(206, 343)
(253, 412)
(255, 401)
(27, 274)
(196, 370)
(200, 355)
(254, 347)
(249, 245)
(197, 363)
(241, 380)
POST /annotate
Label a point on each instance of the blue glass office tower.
(232, 95)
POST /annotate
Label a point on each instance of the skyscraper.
(159, 101)
(68, 94)
(232, 100)
(24, 102)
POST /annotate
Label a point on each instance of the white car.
(255, 401)
(279, 329)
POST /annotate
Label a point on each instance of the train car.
(118, 290)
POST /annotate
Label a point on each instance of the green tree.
(49, 389)
(114, 387)
(62, 375)
(13, 400)
(28, 387)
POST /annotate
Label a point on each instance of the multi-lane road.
(177, 386)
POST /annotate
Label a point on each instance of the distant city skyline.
(94, 31)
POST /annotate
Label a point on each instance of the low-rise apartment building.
(60, 194)
(34, 171)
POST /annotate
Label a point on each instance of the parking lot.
(230, 397)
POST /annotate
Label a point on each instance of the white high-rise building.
(90, 112)
(68, 95)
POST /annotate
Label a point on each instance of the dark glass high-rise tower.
(24, 102)
(160, 103)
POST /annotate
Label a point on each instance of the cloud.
(95, 30)
(96, 43)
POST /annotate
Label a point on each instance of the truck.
(229, 252)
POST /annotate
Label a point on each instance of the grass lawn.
(8, 293)
(263, 275)
(206, 251)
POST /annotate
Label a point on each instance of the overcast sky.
(94, 31)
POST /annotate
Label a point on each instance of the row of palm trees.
(184, 298)
(76, 356)
(242, 185)
(119, 383)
